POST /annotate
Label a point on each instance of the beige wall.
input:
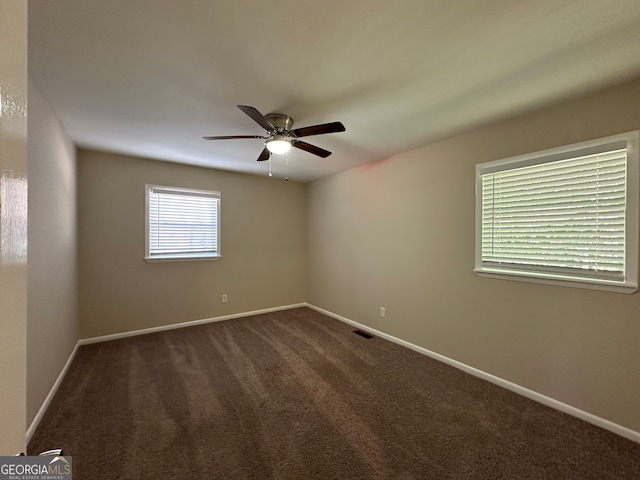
(52, 300)
(13, 224)
(400, 234)
(263, 262)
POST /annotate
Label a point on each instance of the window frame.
(628, 140)
(181, 257)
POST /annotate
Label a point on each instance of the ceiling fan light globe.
(278, 145)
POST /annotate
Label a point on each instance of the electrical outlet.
(225, 299)
(383, 311)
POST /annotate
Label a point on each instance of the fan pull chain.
(286, 167)
(270, 174)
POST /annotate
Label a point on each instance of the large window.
(182, 224)
(565, 216)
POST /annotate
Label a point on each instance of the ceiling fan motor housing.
(281, 121)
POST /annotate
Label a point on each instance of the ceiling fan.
(279, 136)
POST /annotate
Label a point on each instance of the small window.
(567, 216)
(182, 224)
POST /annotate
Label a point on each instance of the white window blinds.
(182, 223)
(560, 216)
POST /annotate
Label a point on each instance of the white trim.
(181, 257)
(43, 408)
(554, 279)
(525, 392)
(173, 326)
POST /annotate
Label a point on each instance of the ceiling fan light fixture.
(278, 144)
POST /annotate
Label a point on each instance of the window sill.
(182, 258)
(559, 280)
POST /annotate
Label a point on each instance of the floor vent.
(363, 334)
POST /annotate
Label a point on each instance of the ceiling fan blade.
(332, 127)
(257, 117)
(307, 147)
(264, 155)
(232, 137)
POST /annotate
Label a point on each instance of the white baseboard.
(144, 331)
(525, 392)
(43, 408)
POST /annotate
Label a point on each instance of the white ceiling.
(151, 77)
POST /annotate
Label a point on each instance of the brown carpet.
(297, 395)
